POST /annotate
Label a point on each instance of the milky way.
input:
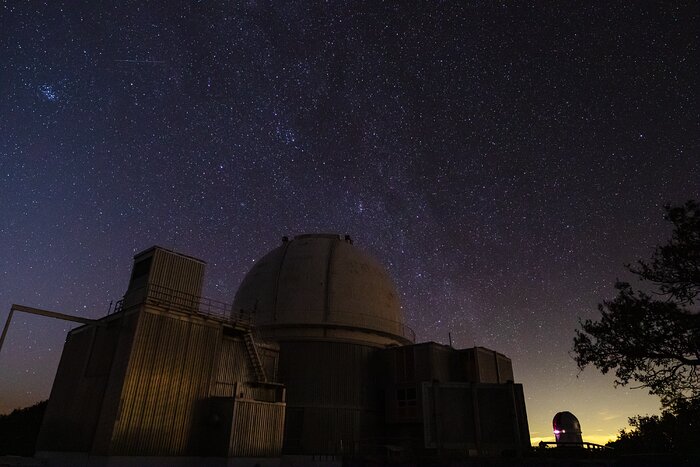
(502, 160)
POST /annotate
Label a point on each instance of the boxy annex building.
(313, 359)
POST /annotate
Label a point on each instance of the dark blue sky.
(503, 160)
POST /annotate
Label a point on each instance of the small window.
(411, 393)
(406, 401)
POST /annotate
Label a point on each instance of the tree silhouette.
(653, 339)
(19, 430)
(676, 430)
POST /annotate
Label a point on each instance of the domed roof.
(322, 281)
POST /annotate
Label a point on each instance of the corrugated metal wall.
(76, 399)
(488, 371)
(455, 414)
(234, 366)
(110, 403)
(257, 429)
(505, 368)
(140, 381)
(331, 388)
(432, 362)
(328, 374)
(269, 357)
(127, 323)
(262, 392)
(486, 419)
(165, 270)
(169, 371)
(177, 272)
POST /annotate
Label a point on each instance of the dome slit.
(277, 281)
(327, 298)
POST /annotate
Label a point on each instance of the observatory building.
(567, 429)
(168, 373)
(312, 359)
(329, 307)
(356, 382)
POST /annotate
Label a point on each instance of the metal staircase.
(254, 356)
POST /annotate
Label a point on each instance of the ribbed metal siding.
(112, 396)
(260, 393)
(167, 271)
(336, 387)
(257, 429)
(332, 431)
(177, 272)
(432, 362)
(328, 374)
(488, 371)
(169, 372)
(521, 413)
(505, 368)
(75, 402)
(269, 355)
(234, 366)
(485, 417)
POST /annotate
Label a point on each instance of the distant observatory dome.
(567, 428)
(320, 286)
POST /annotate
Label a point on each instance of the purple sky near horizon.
(503, 160)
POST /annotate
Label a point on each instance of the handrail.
(574, 444)
(348, 318)
(158, 295)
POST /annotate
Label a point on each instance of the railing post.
(7, 325)
(189, 303)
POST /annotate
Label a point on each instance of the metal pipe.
(40, 312)
(53, 314)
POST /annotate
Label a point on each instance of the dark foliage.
(675, 267)
(653, 339)
(19, 430)
(676, 430)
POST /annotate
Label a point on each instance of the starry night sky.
(503, 160)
